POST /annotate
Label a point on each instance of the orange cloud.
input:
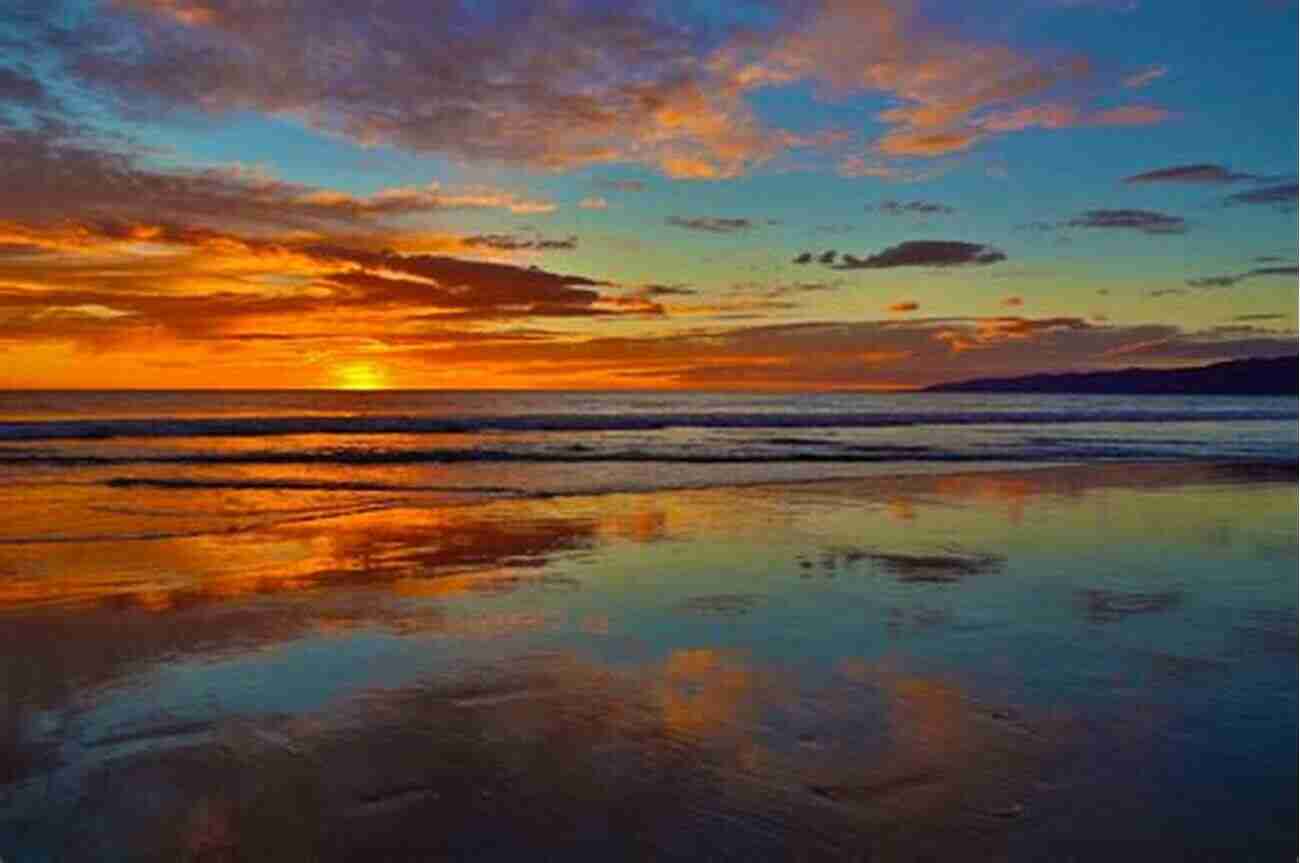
(52, 175)
(906, 143)
(1045, 116)
(1130, 115)
(625, 87)
(219, 337)
(418, 199)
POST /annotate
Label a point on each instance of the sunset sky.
(701, 193)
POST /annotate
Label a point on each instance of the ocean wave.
(246, 426)
(369, 456)
(276, 484)
(239, 524)
(852, 454)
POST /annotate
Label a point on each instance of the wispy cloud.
(1064, 116)
(711, 224)
(515, 243)
(911, 208)
(416, 199)
(1143, 221)
(1129, 115)
(1282, 196)
(621, 185)
(1146, 76)
(666, 291)
(1198, 173)
(1228, 281)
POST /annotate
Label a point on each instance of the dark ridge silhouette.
(1251, 377)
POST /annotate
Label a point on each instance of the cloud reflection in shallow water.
(653, 675)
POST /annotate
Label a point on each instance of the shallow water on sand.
(1039, 664)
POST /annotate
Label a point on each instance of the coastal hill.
(1251, 377)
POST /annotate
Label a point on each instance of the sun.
(360, 376)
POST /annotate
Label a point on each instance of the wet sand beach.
(1063, 663)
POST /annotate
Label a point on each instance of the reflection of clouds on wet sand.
(953, 770)
(650, 675)
(83, 616)
(311, 543)
(721, 604)
(1107, 606)
(935, 568)
(377, 547)
(945, 565)
(1267, 632)
(555, 755)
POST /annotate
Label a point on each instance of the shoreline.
(170, 520)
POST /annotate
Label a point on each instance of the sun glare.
(360, 376)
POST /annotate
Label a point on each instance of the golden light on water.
(360, 376)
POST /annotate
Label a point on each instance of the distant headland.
(1250, 377)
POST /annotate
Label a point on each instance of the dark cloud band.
(1143, 221)
(924, 253)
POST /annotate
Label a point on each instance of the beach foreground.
(1060, 663)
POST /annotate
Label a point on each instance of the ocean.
(542, 442)
(488, 625)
